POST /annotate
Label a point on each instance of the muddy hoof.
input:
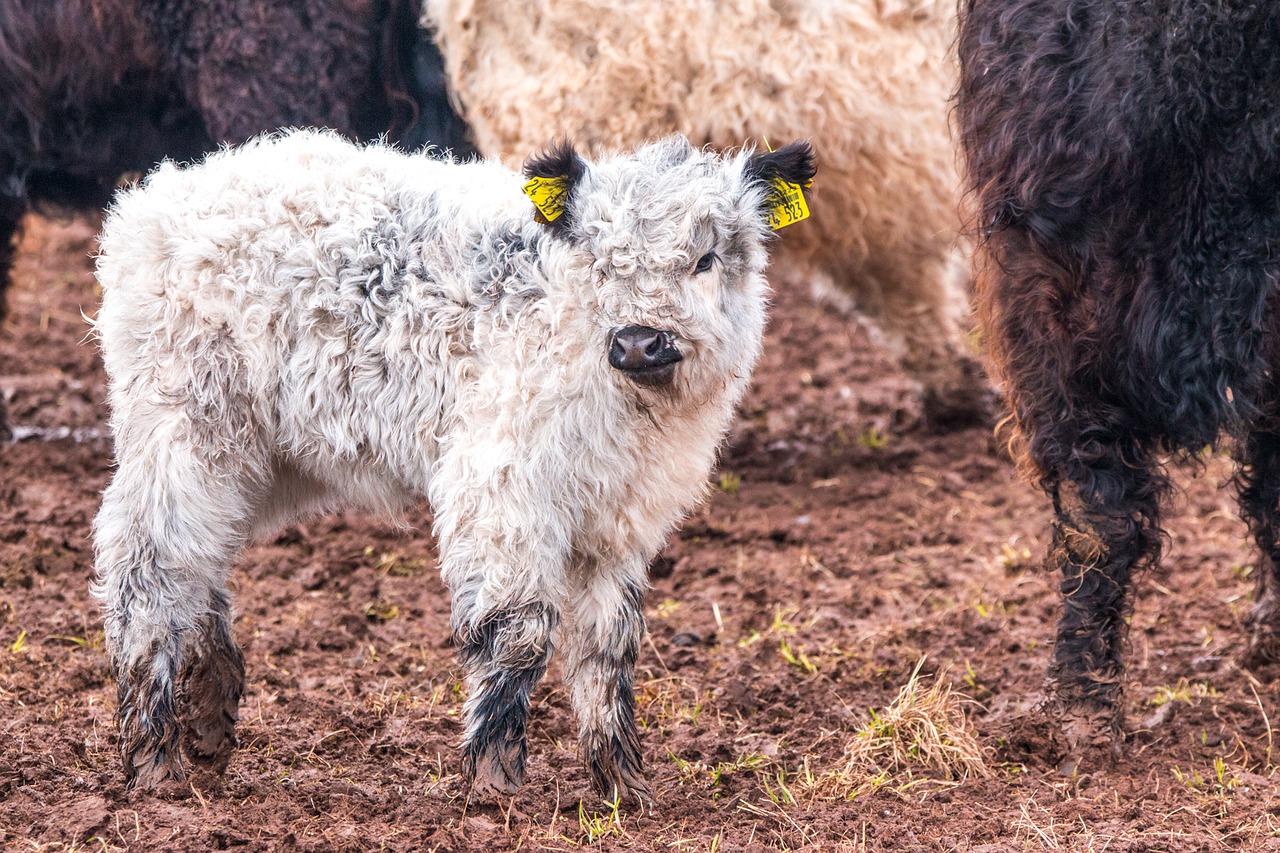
(630, 790)
(637, 797)
(488, 788)
(149, 743)
(210, 746)
(208, 701)
(1264, 643)
(952, 409)
(153, 768)
(492, 777)
(616, 775)
(1092, 735)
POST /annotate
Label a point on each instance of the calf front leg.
(505, 651)
(603, 643)
(504, 548)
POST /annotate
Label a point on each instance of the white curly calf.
(303, 324)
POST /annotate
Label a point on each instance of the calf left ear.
(792, 164)
(553, 175)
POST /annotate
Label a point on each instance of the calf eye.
(704, 263)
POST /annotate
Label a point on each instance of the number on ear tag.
(787, 204)
(548, 195)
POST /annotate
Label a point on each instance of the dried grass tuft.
(923, 729)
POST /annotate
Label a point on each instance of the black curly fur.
(1124, 158)
(794, 163)
(91, 90)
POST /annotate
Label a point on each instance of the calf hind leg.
(920, 304)
(165, 537)
(209, 687)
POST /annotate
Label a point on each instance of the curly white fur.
(303, 323)
(867, 81)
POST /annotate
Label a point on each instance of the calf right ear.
(553, 175)
(792, 164)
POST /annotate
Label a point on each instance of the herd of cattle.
(305, 322)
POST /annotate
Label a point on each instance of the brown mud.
(840, 546)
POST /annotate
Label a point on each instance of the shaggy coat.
(91, 90)
(866, 80)
(304, 324)
(1125, 158)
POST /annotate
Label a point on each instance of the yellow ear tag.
(548, 195)
(787, 204)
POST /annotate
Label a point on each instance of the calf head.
(665, 249)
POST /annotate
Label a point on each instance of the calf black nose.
(647, 356)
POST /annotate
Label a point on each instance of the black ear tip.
(559, 159)
(800, 160)
(794, 162)
(799, 148)
(562, 168)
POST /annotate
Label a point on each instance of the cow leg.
(1106, 526)
(1258, 481)
(1095, 463)
(10, 227)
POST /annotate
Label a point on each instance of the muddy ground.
(841, 548)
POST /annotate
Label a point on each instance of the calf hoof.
(635, 796)
(149, 734)
(151, 765)
(618, 777)
(208, 700)
(209, 739)
(495, 773)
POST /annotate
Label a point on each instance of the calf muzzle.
(645, 355)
